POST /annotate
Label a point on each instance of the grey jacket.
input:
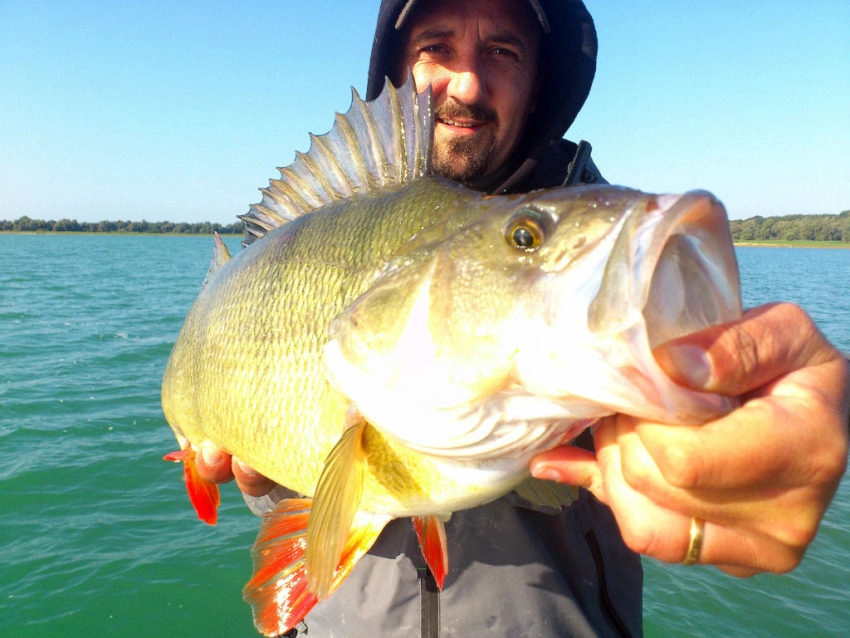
(513, 571)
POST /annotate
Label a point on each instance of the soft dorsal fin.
(220, 257)
(374, 145)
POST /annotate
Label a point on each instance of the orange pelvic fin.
(432, 539)
(278, 591)
(203, 494)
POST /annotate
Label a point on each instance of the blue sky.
(180, 111)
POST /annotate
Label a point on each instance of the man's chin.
(461, 161)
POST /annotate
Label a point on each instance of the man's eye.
(503, 51)
(432, 49)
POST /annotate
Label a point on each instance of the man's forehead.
(414, 10)
(437, 30)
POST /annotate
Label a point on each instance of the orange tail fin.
(432, 539)
(278, 592)
(203, 494)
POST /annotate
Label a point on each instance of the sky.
(180, 111)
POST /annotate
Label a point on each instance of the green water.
(96, 535)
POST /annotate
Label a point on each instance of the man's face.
(480, 58)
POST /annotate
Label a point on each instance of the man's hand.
(761, 477)
(216, 466)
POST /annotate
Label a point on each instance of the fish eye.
(526, 230)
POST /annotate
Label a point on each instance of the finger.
(744, 554)
(791, 431)
(646, 527)
(766, 444)
(767, 524)
(250, 481)
(737, 357)
(213, 463)
(737, 488)
(569, 465)
(663, 461)
(654, 529)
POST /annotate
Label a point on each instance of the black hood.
(568, 61)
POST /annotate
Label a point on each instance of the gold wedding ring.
(695, 546)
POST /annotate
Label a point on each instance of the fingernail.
(690, 363)
(211, 454)
(546, 473)
(247, 470)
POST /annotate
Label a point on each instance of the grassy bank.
(111, 232)
(789, 243)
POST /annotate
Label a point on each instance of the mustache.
(454, 110)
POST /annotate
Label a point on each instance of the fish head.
(653, 268)
(541, 312)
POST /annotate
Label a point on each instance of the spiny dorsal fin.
(374, 145)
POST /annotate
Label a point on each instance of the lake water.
(97, 537)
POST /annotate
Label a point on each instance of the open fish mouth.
(673, 261)
(694, 283)
(672, 271)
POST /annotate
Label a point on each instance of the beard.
(463, 159)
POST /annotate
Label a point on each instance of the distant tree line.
(793, 228)
(26, 224)
(788, 228)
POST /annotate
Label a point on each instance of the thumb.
(737, 357)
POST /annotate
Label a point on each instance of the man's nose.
(467, 86)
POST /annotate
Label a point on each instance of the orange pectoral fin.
(432, 539)
(203, 494)
(278, 591)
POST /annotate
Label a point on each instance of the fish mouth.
(674, 262)
(695, 282)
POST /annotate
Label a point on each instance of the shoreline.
(779, 243)
(115, 233)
